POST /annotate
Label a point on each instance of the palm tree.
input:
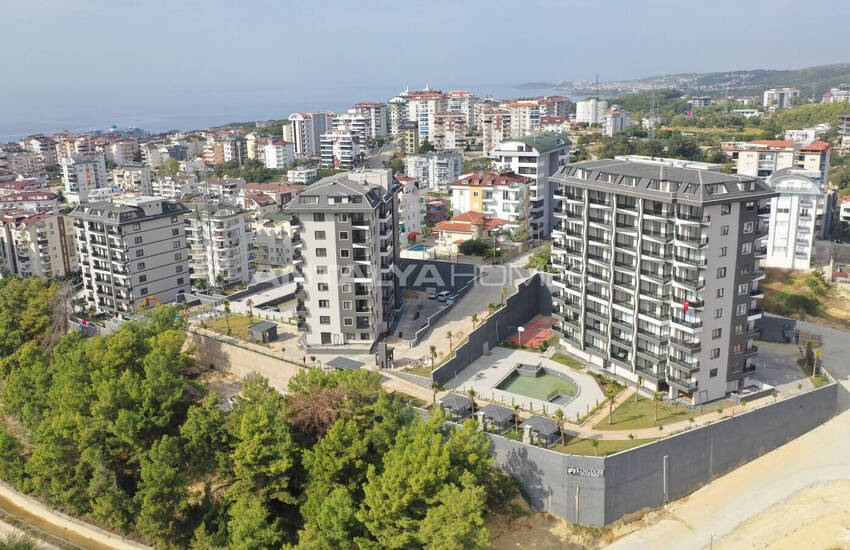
(227, 314)
(185, 305)
(219, 280)
(610, 394)
(504, 294)
(516, 418)
(472, 396)
(492, 307)
(434, 387)
(474, 319)
(250, 304)
(433, 350)
(595, 444)
(449, 336)
(559, 414)
(637, 386)
(656, 397)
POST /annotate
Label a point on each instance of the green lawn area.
(731, 132)
(567, 360)
(633, 415)
(238, 326)
(421, 371)
(579, 446)
(819, 380)
(538, 387)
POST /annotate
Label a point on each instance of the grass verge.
(635, 415)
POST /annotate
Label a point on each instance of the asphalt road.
(382, 155)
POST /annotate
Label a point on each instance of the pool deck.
(488, 371)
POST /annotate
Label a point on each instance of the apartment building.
(844, 209)
(278, 154)
(43, 146)
(409, 138)
(555, 106)
(779, 98)
(844, 125)
(171, 187)
(436, 211)
(225, 189)
(838, 94)
(348, 283)
(449, 131)
(375, 114)
(436, 169)
(538, 157)
(503, 196)
(800, 214)
(220, 151)
(591, 110)
(306, 132)
(659, 270)
(421, 108)
(275, 236)
(396, 113)
(36, 244)
(34, 201)
(353, 121)
(700, 102)
(132, 253)
(495, 127)
(122, 152)
(616, 121)
(25, 163)
(763, 157)
(462, 102)
(302, 176)
(411, 209)
(81, 174)
(67, 145)
(342, 148)
(134, 177)
(451, 234)
(219, 239)
(807, 135)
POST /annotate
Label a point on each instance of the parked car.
(443, 296)
(432, 294)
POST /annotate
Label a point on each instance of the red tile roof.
(490, 178)
(260, 198)
(819, 146)
(773, 142)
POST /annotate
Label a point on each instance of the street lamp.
(520, 330)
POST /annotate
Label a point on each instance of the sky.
(66, 63)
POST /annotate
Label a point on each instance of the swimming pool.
(544, 384)
(421, 248)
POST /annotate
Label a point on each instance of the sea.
(167, 110)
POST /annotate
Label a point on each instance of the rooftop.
(543, 142)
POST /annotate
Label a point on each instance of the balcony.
(597, 330)
(630, 228)
(654, 315)
(697, 241)
(692, 346)
(691, 260)
(684, 385)
(694, 283)
(653, 355)
(687, 366)
(649, 374)
(622, 322)
(655, 276)
(751, 351)
(653, 335)
(692, 325)
(658, 235)
(755, 313)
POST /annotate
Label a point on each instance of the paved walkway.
(818, 456)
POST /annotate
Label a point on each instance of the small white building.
(807, 135)
(616, 121)
(779, 98)
(302, 176)
(436, 169)
(591, 110)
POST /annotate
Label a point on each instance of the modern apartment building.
(807, 135)
(170, 187)
(800, 214)
(411, 208)
(276, 235)
(307, 130)
(44, 146)
(591, 110)
(659, 271)
(495, 127)
(421, 108)
(396, 113)
(134, 177)
(840, 93)
(220, 151)
(302, 176)
(462, 102)
(342, 148)
(36, 244)
(763, 157)
(25, 163)
(219, 237)
(436, 169)
(375, 114)
(504, 196)
(348, 284)
(81, 174)
(779, 98)
(409, 138)
(278, 154)
(844, 125)
(132, 253)
(449, 130)
(525, 117)
(538, 157)
(616, 121)
(354, 121)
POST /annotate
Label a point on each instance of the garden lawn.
(567, 360)
(579, 446)
(238, 326)
(631, 415)
(420, 371)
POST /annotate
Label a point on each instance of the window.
(715, 353)
(178, 257)
(724, 230)
(324, 303)
(346, 305)
(715, 334)
(321, 252)
(719, 293)
(344, 253)
(739, 328)
(143, 290)
(179, 280)
(137, 226)
(321, 270)
(173, 219)
(742, 289)
(746, 248)
(346, 287)
(748, 227)
(722, 251)
(319, 235)
(325, 320)
(137, 240)
(143, 278)
(712, 373)
(175, 244)
(343, 235)
(175, 232)
(737, 348)
(342, 217)
(348, 321)
(718, 313)
(323, 287)
(725, 209)
(721, 272)
(140, 266)
(318, 216)
(140, 252)
(741, 309)
(179, 269)
(345, 270)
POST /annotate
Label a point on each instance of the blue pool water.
(421, 248)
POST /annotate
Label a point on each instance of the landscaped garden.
(635, 415)
(602, 447)
(567, 360)
(238, 326)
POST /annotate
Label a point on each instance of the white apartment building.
(801, 214)
(342, 148)
(37, 244)
(25, 163)
(306, 131)
(219, 237)
(840, 93)
(170, 187)
(275, 235)
(278, 154)
(844, 125)
(123, 152)
(375, 114)
(538, 157)
(132, 253)
(844, 209)
(616, 121)
(591, 110)
(807, 135)
(436, 169)
(421, 108)
(763, 157)
(133, 177)
(397, 113)
(411, 208)
(495, 127)
(302, 176)
(34, 201)
(81, 174)
(779, 98)
(45, 147)
(353, 121)
(462, 102)
(525, 117)
(226, 189)
(503, 196)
